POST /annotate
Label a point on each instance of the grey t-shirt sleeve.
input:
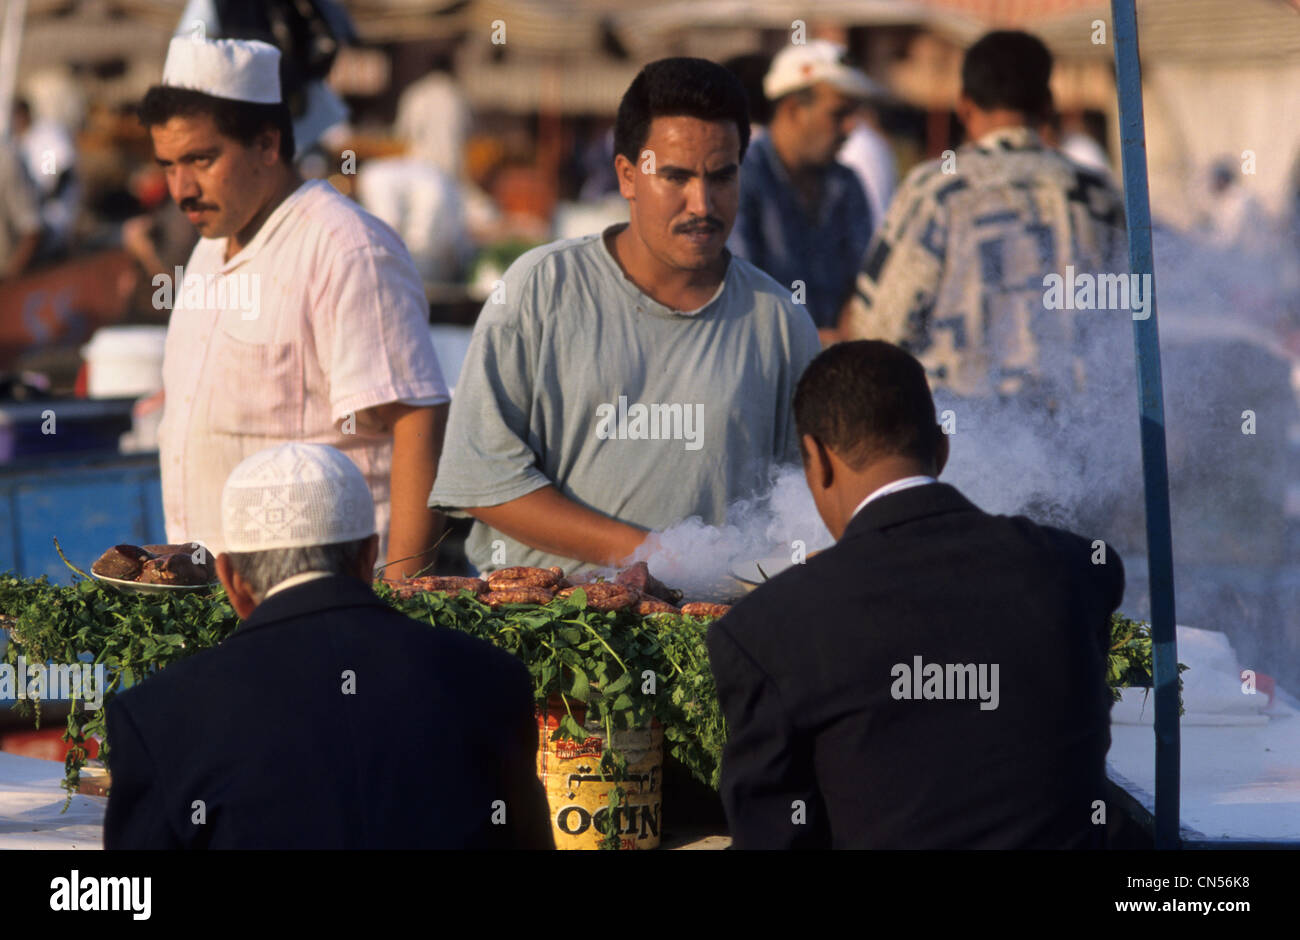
(487, 458)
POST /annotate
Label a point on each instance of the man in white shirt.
(299, 317)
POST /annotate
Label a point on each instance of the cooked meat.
(638, 576)
(188, 549)
(535, 577)
(177, 568)
(701, 609)
(514, 584)
(123, 562)
(442, 585)
(525, 595)
(605, 595)
(652, 605)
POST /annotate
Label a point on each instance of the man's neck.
(986, 122)
(677, 288)
(289, 181)
(879, 474)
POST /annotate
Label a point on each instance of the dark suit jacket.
(439, 726)
(807, 668)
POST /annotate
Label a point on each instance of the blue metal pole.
(1151, 410)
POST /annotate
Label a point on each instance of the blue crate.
(88, 503)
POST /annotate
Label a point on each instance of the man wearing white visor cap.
(803, 217)
(324, 679)
(299, 317)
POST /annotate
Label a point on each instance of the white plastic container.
(124, 361)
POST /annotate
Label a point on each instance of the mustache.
(193, 205)
(707, 224)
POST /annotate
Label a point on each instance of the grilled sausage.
(604, 596)
(525, 595)
(439, 584)
(535, 577)
(652, 605)
(515, 584)
(701, 609)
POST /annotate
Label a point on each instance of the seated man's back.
(934, 680)
(327, 720)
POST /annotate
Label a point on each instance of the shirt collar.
(646, 303)
(905, 483)
(277, 216)
(301, 578)
(1010, 138)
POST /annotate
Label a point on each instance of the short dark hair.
(867, 399)
(1009, 69)
(750, 69)
(680, 86)
(239, 120)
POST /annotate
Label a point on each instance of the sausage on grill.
(439, 584)
(652, 605)
(525, 595)
(701, 609)
(537, 577)
(515, 584)
(604, 596)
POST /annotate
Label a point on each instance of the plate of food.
(156, 569)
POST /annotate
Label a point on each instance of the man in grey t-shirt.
(622, 382)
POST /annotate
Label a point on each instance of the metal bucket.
(579, 798)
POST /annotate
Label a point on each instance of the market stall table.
(1240, 753)
(31, 804)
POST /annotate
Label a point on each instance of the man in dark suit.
(327, 720)
(936, 679)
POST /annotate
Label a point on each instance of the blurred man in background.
(868, 154)
(804, 218)
(20, 214)
(956, 272)
(51, 160)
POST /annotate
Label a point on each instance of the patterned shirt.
(318, 318)
(956, 274)
(774, 232)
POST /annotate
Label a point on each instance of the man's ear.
(940, 451)
(819, 462)
(965, 108)
(369, 555)
(269, 143)
(241, 599)
(625, 171)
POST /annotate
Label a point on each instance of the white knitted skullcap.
(294, 495)
(237, 69)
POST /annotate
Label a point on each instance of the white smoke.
(699, 559)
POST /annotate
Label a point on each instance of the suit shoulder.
(765, 614)
(465, 653)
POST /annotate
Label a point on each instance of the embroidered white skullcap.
(237, 69)
(295, 495)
